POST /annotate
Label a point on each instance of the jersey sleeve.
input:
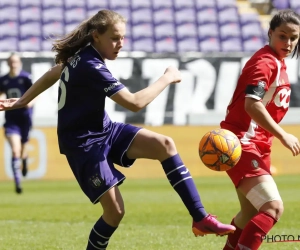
(103, 80)
(259, 75)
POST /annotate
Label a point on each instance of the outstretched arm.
(43, 83)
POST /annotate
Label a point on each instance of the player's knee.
(115, 215)
(16, 153)
(274, 208)
(168, 146)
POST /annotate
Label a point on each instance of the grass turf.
(56, 215)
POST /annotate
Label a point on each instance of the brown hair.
(286, 16)
(69, 44)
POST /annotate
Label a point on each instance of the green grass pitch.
(56, 215)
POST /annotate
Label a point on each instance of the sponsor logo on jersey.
(112, 86)
(255, 164)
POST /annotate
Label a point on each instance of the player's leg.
(240, 221)
(99, 180)
(24, 153)
(24, 157)
(263, 194)
(113, 212)
(151, 145)
(14, 141)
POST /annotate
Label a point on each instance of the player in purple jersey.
(93, 143)
(17, 122)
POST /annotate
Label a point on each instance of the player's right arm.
(260, 77)
(137, 101)
(43, 83)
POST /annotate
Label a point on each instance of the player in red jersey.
(259, 103)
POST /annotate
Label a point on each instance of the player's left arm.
(42, 84)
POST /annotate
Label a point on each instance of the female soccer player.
(259, 103)
(93, 143)
(17, 122)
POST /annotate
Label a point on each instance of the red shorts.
(251, 164)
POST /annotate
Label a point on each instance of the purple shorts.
(19, 128)
(94, 168)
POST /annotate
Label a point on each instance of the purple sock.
(15, 164)
(100, 235)
(181, 180)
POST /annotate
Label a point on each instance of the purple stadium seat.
(30, 29)
(208, 15)
(96, 4)
(74, 15)
(166, 44)
(281, 4)
(253, 44)
(188, 44)
(223, 4)
(246, 18)
(32, 13)
(52, 3)
(27, 3)
(164, 30)
(230, 30)
(208, 30)
(70, 26)
(143, 44)
(295, 4)
(119, 4)
(9, 3)
(9, 44)
(128, 29)
(91, 12)
(30, 44)
(127, 44)
(228, 15)
(136, 4)
(141, 15)
(53, 29)
(232, 44)
(46, 45)
(124, 11)
(158, 4)
(9, 13)
(251, 29)
(185, 15)
(142, 30)
(163, 15)
(53, 14)
(210, 45)
(74, 4)
(186, 30)
(9, 28)
(179, 4)
(200, 4)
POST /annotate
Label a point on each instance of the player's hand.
(292, 143)
(7, 104)
(174, 74)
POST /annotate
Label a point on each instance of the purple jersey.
(84, 84)
(14, 88)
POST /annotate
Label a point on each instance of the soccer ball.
(220, 150)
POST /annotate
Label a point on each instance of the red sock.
(256, 228)
(232, 239)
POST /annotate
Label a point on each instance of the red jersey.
(263, 70)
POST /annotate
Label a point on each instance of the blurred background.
(209, 41)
